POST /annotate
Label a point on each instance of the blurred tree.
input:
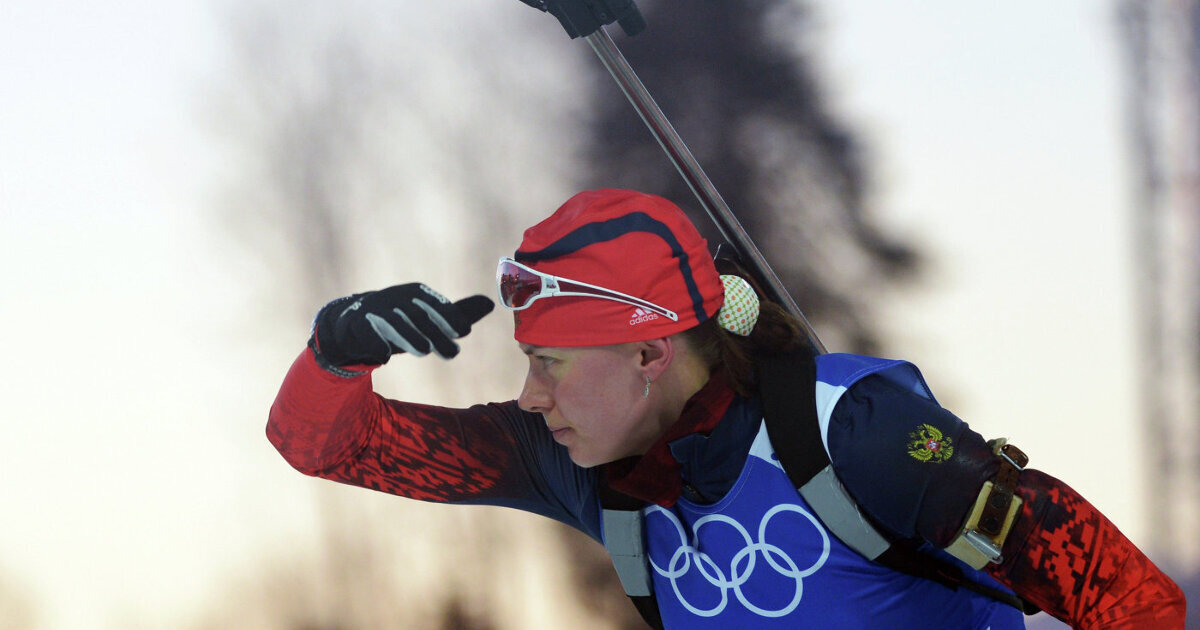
(737, 80)
(295, 109)
(363, 145)
(1161, 44)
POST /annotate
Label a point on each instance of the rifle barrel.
(712, 202)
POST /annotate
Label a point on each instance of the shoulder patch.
(927, 444)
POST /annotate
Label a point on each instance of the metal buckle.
(984, 545)
(1008, 452)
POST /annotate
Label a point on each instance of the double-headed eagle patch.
(927, 444)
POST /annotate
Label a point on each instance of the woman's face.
(591, 399)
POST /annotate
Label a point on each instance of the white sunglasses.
(519, 286)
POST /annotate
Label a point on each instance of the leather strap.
(982, 536)
(1004, 484)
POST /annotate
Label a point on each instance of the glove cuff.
(324, 363)
(330, 354)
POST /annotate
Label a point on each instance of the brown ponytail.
(776, 332)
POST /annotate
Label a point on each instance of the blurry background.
(1006, 195)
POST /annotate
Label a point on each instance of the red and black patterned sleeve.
(1067, 558)
(338, 428)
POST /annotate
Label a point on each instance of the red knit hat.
(638, 244)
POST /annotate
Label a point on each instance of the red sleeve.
(338, 428)
(1065, 557)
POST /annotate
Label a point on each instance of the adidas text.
(641, 316)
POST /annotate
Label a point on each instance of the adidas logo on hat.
(641, 316)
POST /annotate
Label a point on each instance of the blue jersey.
(760, 558)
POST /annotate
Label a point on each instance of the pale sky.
(135, 473)
(998, 130)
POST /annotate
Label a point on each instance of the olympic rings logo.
(743, 563)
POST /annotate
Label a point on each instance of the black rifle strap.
(906, 558)
(647, 607)
(787, 384)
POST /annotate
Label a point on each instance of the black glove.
(368, 328)
(581, 18)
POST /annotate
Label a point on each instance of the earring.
(646, 392)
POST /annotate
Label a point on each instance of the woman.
(646, 381)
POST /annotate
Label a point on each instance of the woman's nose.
(535, 397)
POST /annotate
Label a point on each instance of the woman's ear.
(656, 356)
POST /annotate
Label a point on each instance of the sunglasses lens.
(517, 286)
